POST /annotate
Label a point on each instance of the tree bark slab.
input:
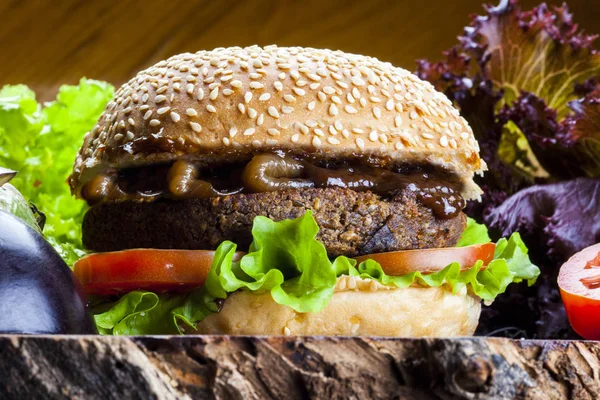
(283, 367)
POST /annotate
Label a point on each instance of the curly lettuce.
(518, 77)
(41, 143)
(287, 260)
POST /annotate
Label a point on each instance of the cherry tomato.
(431, 260)
(144, 269)
(579, 283)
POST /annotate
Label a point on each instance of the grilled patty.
(351, 223)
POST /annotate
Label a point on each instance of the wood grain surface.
(45, 43)
(287, 367)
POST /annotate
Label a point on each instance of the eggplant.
(38, 292)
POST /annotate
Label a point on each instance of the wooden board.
(236, 367)
(48, 43)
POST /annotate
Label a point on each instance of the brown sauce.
(272, 172)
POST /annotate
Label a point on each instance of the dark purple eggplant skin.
(38, 292)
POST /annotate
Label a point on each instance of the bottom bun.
(358, 307)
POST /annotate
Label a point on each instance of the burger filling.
(435, 190)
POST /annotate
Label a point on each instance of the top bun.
(235, 102)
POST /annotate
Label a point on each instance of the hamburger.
(293, 191)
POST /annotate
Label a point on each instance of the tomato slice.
(579, 284)
(427, 261)
(143, 269)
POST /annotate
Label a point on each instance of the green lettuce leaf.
(511, 264)
(288, 261)
(41, 143)
(474, 233)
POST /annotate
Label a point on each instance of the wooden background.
(48, 43)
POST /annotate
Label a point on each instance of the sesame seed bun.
(233, 102)
(358, 307)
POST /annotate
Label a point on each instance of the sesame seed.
(256, 85)
(273, 132)
(311, 123)
(271, 142)
(444, 141)
(399, 107)
(311, 105)
(289, 98)
(252, 113)
(236, 84)
(154, 122)
(242, 108)
(357, 130)
(428, 123)
(214, 93)
(316, 141)
(118, 136)
(373, 136)
(159, 99)
(260, 119)
(332, 130)
(350, 109)
(161, 90)
(314, 86)
(200, 94)
(287, 110)
(389, 105)
(148, 114)
(226, 141)
(247, 97)
(319, 132)
(273, 112)
(196, 127)
(233, 131)
(131, 121)
(254, 75)
(464, 135)
(314, 77)
(345, 133)
(301, 83)
(342, 84)
(333, 140)
(329, 90)
(295, 138)
(377, 112)
(322, 96)
(304, 129)
(375, 99)
(429, 146)
(360, 143)
(333, 110)
(249, 132)
(357, 81)
(163, 110)
(130, 135)
(453, 143)
(298, 91)
(189, 88)
(413, 115)
(398, 146)
(211, 109)
(264, 97)
(175, 117)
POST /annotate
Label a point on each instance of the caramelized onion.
(270, 172)
(102, 187)
(184, 182)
